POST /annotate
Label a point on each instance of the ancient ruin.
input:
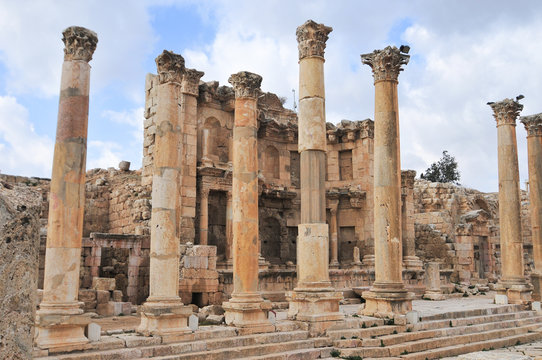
(253, 231)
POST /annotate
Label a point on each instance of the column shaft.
(59, 321)
(204, 217)
(229, 228)
(334, 238)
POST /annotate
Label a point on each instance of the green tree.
(444, 170)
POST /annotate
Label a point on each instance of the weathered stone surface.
(19, 248)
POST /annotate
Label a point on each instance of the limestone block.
(196, 262)
(102, 296)
(501, 299)
(117, 295)
(124, 308)
(105, 284)
(215, 319)
(93, 332)
(87, 295)
(107, 309)
(193, 322)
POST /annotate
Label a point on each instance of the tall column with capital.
(410, 260)
(246, 309)
(204, 217)
(388, 295)
(313, 299)
(533, 126)
(512, 282)
(59, 322)
(164, 313)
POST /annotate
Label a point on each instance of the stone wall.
(20, 208)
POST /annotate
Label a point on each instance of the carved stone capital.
(386, 63)
(407, 178)
(204, 194)
(311, 39)
(170, 67)
(506, 111)
(190, 81)
(79, 43)
(246, 84)
(533, 124)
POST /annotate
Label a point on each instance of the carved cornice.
(506, 111)
(79, 43)
(246, 84)
(311, 39)
(407, 178)
(170, 67)
(533, 124)
(190, 81)
(386, 63)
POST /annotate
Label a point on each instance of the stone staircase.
(441, 335)
(433, 337)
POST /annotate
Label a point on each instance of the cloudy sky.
(463, 54)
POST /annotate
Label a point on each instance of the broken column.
(246, 309)
(388, 295)
(60, 321)
(432, 281)
(314, 299)
(164, 313)
(533, 126)
(512, 282)
(410, 260)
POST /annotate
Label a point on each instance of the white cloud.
(23, 151)
(133, 118)
(103, 154)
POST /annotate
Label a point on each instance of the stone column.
(388, 295)
(432, 280)
(410, 260)
(59, 322)
(512, 282)
(204, 217)
(533, 125)
(313, 299)
(205, 144)
(246, 309)
(164, 313)
(229, 230)
(333, 227)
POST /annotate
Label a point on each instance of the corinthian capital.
(407, 178)
(533, 124)
(311, 39)
(386, 63)
(190, 83)
(170, 67)
(246, 84)
(79, 43)
(506, 111)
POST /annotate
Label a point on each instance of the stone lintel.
(80, 43)
(506, 111)
(311, 39)
(246, 84)
(533, 124)
(170, 67)
(386, 63)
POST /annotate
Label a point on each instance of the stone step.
(436, 324)
(243, 352)
(141, 348)
(389, 340)
(364, 332)
(474, 312)
(358, 322)
(434, 343)
(475, 346)
(303, 354)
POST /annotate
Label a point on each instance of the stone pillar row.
(60, 321)
(388, 295)
(533, 125)
(512, 283)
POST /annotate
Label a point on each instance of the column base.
(536, 280)
(334, 265)
(61, 327)
(387, 300)
(164, 317)
(412, 263)
(516, 291)
(368, 262)
(249, 315)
